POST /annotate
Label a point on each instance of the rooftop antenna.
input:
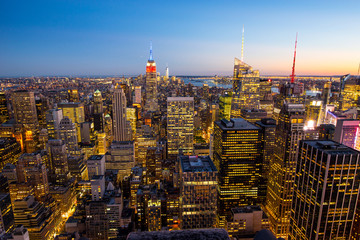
(293, 68)
(242, 45)
(151, 56)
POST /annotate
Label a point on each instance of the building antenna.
(151, 56)
(293, 68)
(242, 45)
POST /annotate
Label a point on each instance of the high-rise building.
(268, 126)
(98, 112)
(288, 133)
(25, 109)
(180, 125)
(154, 158)
(73, 95)
(253, 115)
(238, 159)
(4, 112)
(35, 217)
(198, 192)
(96, 165)
(119, 115)
(68, 135)
(347, 132)
(350, 93)
(151, 84)
(74, 111)
(121, 157)
(326, 190)
(6, 213)
(313, 112)
(245, 88)
(225, 106)
(53, 118)
(137, 99)
(97, 187)
(58, 162)
(10, 151)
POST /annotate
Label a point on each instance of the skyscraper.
(225, 106)
(53, 118)
(326, 190)
(25, 109)
(98, 112)
(67, 132)
(245, 88)
(238, 159)
(151, 84)
(350, 93)
(347, 132)
(58, 162)
(4, 113)
(119, 115)
(137, 99)
(198, 192)
(180, 125)
(288, 133)
(74, 111)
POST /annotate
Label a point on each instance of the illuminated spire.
(242, 45)
(293, 68)
(151, 56)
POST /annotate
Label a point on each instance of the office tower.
(245, 88)
(101, 143)
(65, 196)
(31, 171)
(96, 165)
(6, 213)
(20, 233)
(151, 84)
(326, 191)
(154, 158)
(10, 151)
(313, 112)
(325, 97)
(326, 132)
(35, 217)
(167, 73)
(265, 89)
(25, 109)
(225, 106)
(253, 115)
(347, 132)
(97, 223)
(58, 162)
(97, 187)
(132, 119)
(350, 93)
(77, 167)
(119, 115)
(73, 95)
(42, 104)
(289, 93)
(53, 118)
(198, 192)
(136, 178)
(237, 157)
(4, 112)
(137, 95)
(148, 208)
(288, 133)
(245, 222)
(98, 112)
(121, 157)
(74, 111)
(180, 125)
(67, 132)
(86, 130)
(268, 126)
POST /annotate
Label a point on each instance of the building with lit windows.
(73, 95)
(74, 111)
(6, 213)
(119, 115)
(151, 102)
(245, 88)
(68, 134)
(347, 132)
(198, 192)
(238, 159)
(326, 190)
(313, 111)
(289, 131)
(225, 106)
(349, 92)
(58, 166)
(4, 112)
(53, 118)
(96, 165)
(180, 125)
(10, 151)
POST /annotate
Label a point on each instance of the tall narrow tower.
(119, 115)
(151, 84)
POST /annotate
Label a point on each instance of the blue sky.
(69, 37)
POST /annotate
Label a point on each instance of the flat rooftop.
(331, 147)
(180, 99)
(197, 164)
(236, 124)
(96, 157)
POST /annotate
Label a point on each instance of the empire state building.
(151, 84)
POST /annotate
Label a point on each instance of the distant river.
(201, 82)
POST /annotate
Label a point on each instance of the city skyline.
(202, 38)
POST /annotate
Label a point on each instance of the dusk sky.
(106, 37)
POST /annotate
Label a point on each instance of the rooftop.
(180, 99)
(96, 157)
(197, 164)
(331, 147)
(236, 124)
